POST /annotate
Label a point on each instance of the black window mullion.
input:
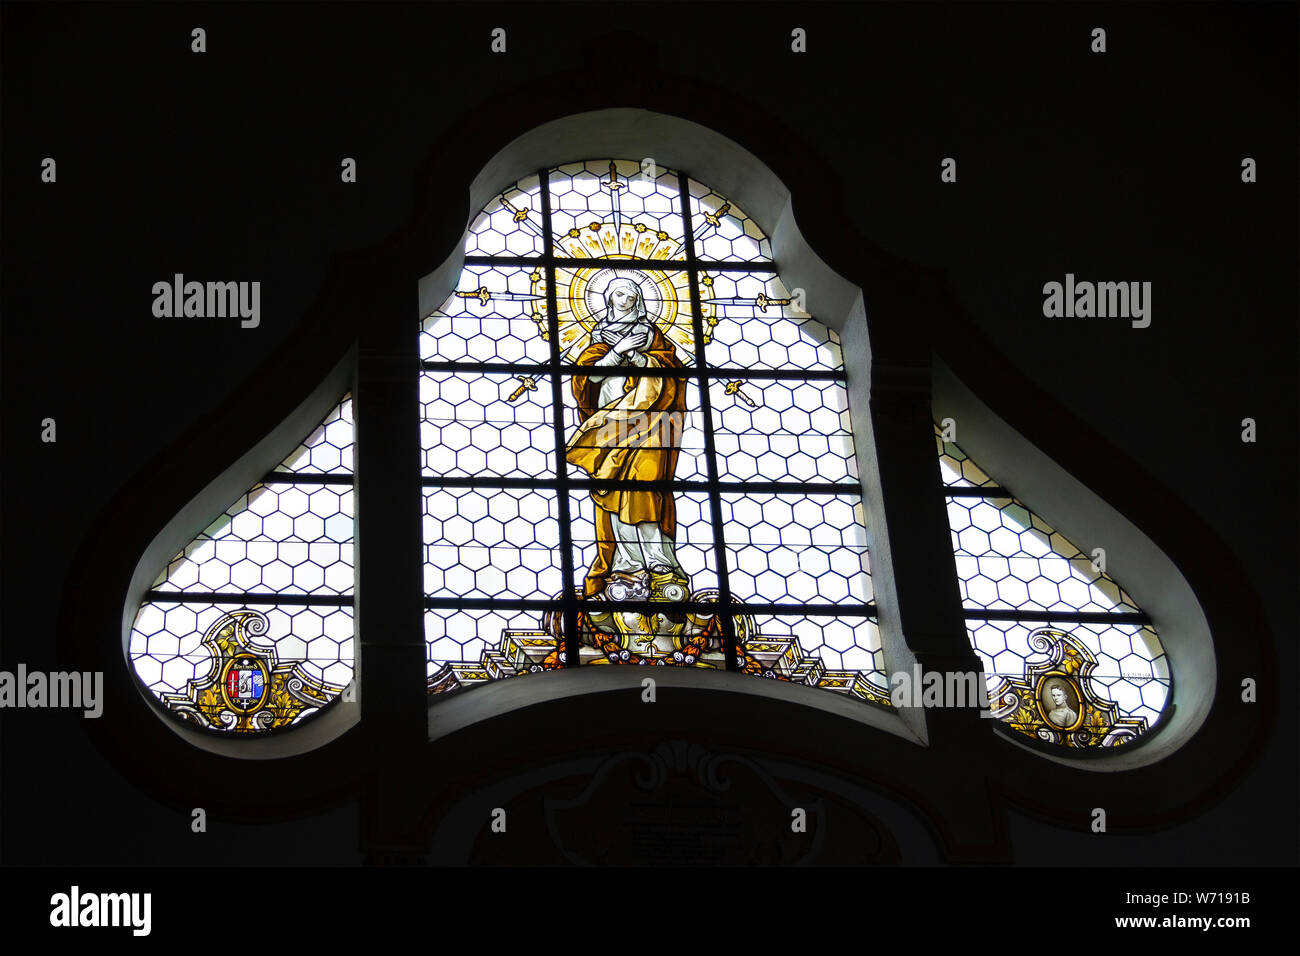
(632, 484)
(305, 478)
(569, 368)
(706, 410)
(566, 262)
(842, 609)
(568, 608)
(500, 368)
(250, 597)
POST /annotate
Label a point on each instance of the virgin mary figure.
(630, 430)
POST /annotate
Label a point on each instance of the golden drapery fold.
(635, 438)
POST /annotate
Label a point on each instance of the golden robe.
(636, 438)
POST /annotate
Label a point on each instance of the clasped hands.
(627, 350)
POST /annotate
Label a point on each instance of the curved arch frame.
(1147, 572)
(732, 171)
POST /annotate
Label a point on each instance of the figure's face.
(623, 299)
(1058, 697)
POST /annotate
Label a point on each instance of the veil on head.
(638, 313)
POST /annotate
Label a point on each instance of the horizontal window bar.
(664, 265)
(724, 487)
(990, 492)
(640, 607)
(307, 478)
(502, 368)
(691, 371)
(250, 597)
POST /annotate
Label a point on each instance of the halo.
(581, 291)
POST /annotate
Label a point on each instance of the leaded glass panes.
(783, 430)
(497, 314)
(491, 542)
(472, 646)
(958, 470)
(606, 209)
(796, 549)
(752, 321)
(1131, 669)
(249, 627)
(697, 501)
(327, 450)
(723, 232)
(839, 652)
(486, 423)
(1010, 559)
(276, 538)
(1070, 657)
(510, 225)
(666, 294)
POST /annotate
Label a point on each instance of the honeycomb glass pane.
(796, 549)
(957, 470)
(242, 668)
(276, 538)
(616, 209)
(752, 321)
(1010, 559)
(328, 449)
(477, 424)
(723, 232)
(791, 430)
(491, 542)
(510, 224)
(495, 314)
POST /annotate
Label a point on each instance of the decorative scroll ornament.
(1054, 701)
(671, 638)
(248, 688)
(681, 804)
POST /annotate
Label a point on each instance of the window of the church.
(1071, 659)
(249, 628)
(637, 450)
(637, 446)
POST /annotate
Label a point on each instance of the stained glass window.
(250, 628)
(637, 446)
(1071, 659)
